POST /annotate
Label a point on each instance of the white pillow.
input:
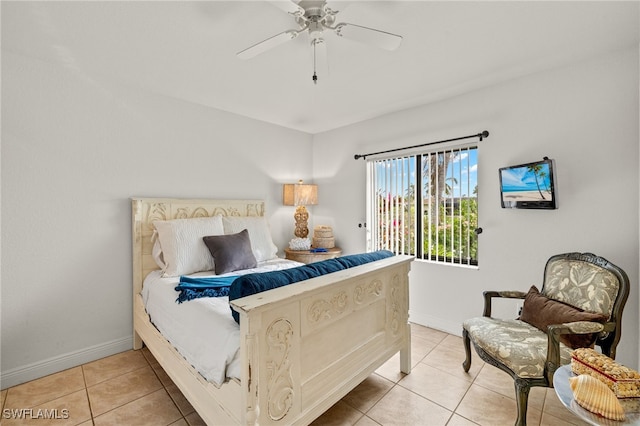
(156, 251)
(183, 249)
(259, 234)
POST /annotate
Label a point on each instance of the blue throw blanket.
(250, 284)
(237, 286)
(194, 287)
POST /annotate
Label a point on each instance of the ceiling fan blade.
(382, 39)
(267, 44)
(288, 6)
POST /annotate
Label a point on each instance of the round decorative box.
(323, 237)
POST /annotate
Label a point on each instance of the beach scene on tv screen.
(527, 183)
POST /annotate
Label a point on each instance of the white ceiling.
(186, 50)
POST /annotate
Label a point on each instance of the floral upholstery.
(519, 346)
(527, 353)
(581, 284)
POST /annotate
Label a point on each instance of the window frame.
(394, 203)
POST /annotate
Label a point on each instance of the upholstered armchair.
(580, 304)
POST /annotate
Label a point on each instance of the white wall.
(74, 149)
(584, 116)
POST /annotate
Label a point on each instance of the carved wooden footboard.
(303, 347)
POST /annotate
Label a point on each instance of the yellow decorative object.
(622, 380)
(323, 237)
(596, 397)
(300, 195)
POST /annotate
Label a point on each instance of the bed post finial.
(137, 207)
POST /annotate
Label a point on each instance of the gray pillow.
(231, 252)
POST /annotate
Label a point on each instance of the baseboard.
(56, 364)
(43, 368)
(450, 327)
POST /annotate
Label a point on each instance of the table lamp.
(300, 195)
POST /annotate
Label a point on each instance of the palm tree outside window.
(425, 205)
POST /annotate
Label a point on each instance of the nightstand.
(306, 256)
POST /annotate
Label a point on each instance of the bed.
(302, 347)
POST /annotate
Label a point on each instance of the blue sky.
(462, 173)
(464, 168)
(521, 179)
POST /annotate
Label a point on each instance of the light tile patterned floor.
(130, 388)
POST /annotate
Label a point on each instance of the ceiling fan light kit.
(314, 17)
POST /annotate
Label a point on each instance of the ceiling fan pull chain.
(314, 77)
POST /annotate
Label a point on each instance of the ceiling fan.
(315, 17)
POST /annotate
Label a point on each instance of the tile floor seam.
(466, 418)
(86, 392)
(127, 402)
(513, 396)
(184, 415)
(117, 375)
(176, 402)
(377, 401)
(444, 346)
(359, 418)
(425, 398)
(171, 382)
(455, 410)
(473, 381)
(544, 401)
(436, 403)
(369, 419)
(488, 387)
(136, 399)
(453, 414)
(419, 362)
(36, 404)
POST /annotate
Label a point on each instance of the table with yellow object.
(565, 395)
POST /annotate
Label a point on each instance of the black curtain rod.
(479, 135)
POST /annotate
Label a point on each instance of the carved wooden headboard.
(145, 210)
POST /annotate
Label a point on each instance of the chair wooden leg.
(522, 397)
(467, 350)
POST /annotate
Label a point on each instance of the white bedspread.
(202, 330)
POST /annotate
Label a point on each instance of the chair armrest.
(578, 327)
(488, 295)
(609, 327)
(553, 340)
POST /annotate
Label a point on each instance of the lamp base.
(301, 216)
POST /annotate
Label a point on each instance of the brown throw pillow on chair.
(540, 311)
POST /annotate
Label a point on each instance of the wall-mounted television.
(528, 186)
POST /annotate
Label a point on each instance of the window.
(425, 205)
